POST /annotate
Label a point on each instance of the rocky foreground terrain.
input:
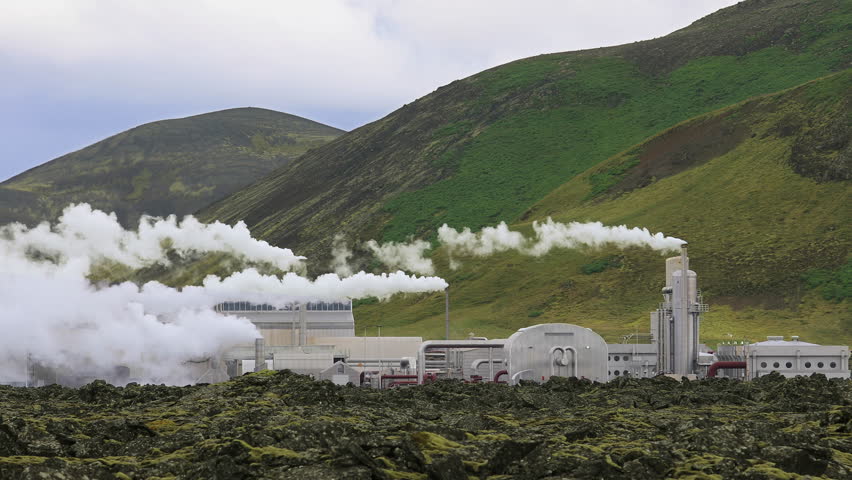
(282, 425)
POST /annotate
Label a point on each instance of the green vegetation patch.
(453, 129)
(601, 264)
(603, 106)
(141, 183)
(605, 179)
(834, 285)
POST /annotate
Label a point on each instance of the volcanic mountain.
(166, 167)
(761, 190)
(651, 134)
(486, 148)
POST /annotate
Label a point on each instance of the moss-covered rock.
(282, 425)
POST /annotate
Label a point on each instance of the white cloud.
(339, 62)
(353, 55)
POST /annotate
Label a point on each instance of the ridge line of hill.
(485, 148)
(173, 166)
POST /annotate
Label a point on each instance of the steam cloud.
(340, 255)
(490, 240)
(83, 234)
(55, 316)
(407, 256)
(550, 235)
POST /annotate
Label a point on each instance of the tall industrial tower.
(676, 322)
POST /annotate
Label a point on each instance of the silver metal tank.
(555, 349)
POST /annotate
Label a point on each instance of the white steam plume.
(52, 313)
(407, 256)
(84, 234)
(490, 240)
(65, 322)
(272, 289)
(549, 235)
(340, 255)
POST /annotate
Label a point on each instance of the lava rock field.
(282, 425)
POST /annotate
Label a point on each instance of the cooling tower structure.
(676, 322)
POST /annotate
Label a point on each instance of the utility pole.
(447, 311)
(381, 363)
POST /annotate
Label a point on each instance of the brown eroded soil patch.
(682, 148)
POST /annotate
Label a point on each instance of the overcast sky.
(75, 72)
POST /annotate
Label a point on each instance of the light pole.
(379, 340)
(447, 311)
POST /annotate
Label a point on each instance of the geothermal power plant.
(318, 339)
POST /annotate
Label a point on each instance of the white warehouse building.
(794, 357)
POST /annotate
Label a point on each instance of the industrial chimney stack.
(259, 355)
(675, 323)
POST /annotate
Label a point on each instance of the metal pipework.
(399, 383)
(516, 378)
(399, 380)
(490, 360)
(563, 350)
(476, 363)
(446, 344)
(389, 361)
(711, 372)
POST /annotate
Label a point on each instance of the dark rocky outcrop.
(282, 425)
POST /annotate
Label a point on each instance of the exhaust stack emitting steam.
(53, 314)
(549, 235)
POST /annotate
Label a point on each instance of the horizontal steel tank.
(555, 350)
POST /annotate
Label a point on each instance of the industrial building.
(318, 339)
(671, 346)
(789, 358)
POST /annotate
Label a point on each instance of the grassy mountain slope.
(171, 166)
(762, 192)
(486, 148)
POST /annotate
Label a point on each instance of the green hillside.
(172, 166)
(486, 148)
(762, 192)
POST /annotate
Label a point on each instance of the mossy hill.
(279, 425)
(486, 148)
(167, 167)
(762, 192)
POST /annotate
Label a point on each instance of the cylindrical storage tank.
(555, 349)
(685, 335)
(673, 264)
